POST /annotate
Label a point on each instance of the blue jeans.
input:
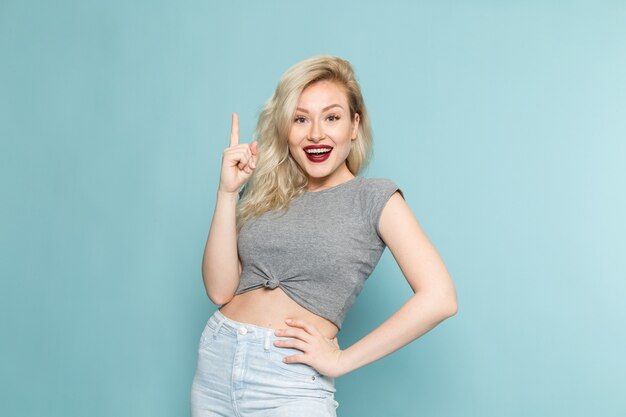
(241, 373)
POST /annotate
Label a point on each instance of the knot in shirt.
(271, 283)
(322, 262)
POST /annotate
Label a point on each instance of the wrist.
(228, 194)
(343, 364)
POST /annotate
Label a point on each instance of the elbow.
(451, 307)
(441, 306)
(220, 285)
(219, 299)
(449, 301)
(218, 294)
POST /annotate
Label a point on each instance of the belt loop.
(219, 325)
(266, 344)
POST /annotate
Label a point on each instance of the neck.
(336, 178)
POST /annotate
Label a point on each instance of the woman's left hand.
(321, 353)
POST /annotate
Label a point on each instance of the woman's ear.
(355, 127)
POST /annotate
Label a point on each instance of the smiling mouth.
(318, 154)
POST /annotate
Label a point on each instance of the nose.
(316, 132)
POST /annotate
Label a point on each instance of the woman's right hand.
(238, 161)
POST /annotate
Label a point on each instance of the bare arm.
(434, 297)
(220, 263)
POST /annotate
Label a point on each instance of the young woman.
(287, 255)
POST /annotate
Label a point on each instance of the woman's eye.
(299, 119)
(333, 117)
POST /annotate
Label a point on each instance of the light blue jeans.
(241, 373)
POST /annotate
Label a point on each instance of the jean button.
(243, 330)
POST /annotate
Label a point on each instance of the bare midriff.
(270, 307)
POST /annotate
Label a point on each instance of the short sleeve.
(378, 192)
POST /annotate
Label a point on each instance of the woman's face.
(322, 132)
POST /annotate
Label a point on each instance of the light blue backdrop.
(504, 123)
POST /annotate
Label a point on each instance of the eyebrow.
(324, 109)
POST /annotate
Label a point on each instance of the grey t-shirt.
(321, 250)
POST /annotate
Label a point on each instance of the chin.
(318, 174)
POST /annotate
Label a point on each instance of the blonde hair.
(277, 178)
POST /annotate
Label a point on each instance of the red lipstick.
(317, 153)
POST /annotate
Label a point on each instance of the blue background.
(503, 122)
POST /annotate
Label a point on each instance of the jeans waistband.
(251, 331)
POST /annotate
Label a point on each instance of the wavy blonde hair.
(277, 178)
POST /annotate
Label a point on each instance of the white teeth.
(318, 151)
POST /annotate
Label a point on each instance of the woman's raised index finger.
(234, 130)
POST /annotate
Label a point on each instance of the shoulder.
(375, 194)
(379, 187)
